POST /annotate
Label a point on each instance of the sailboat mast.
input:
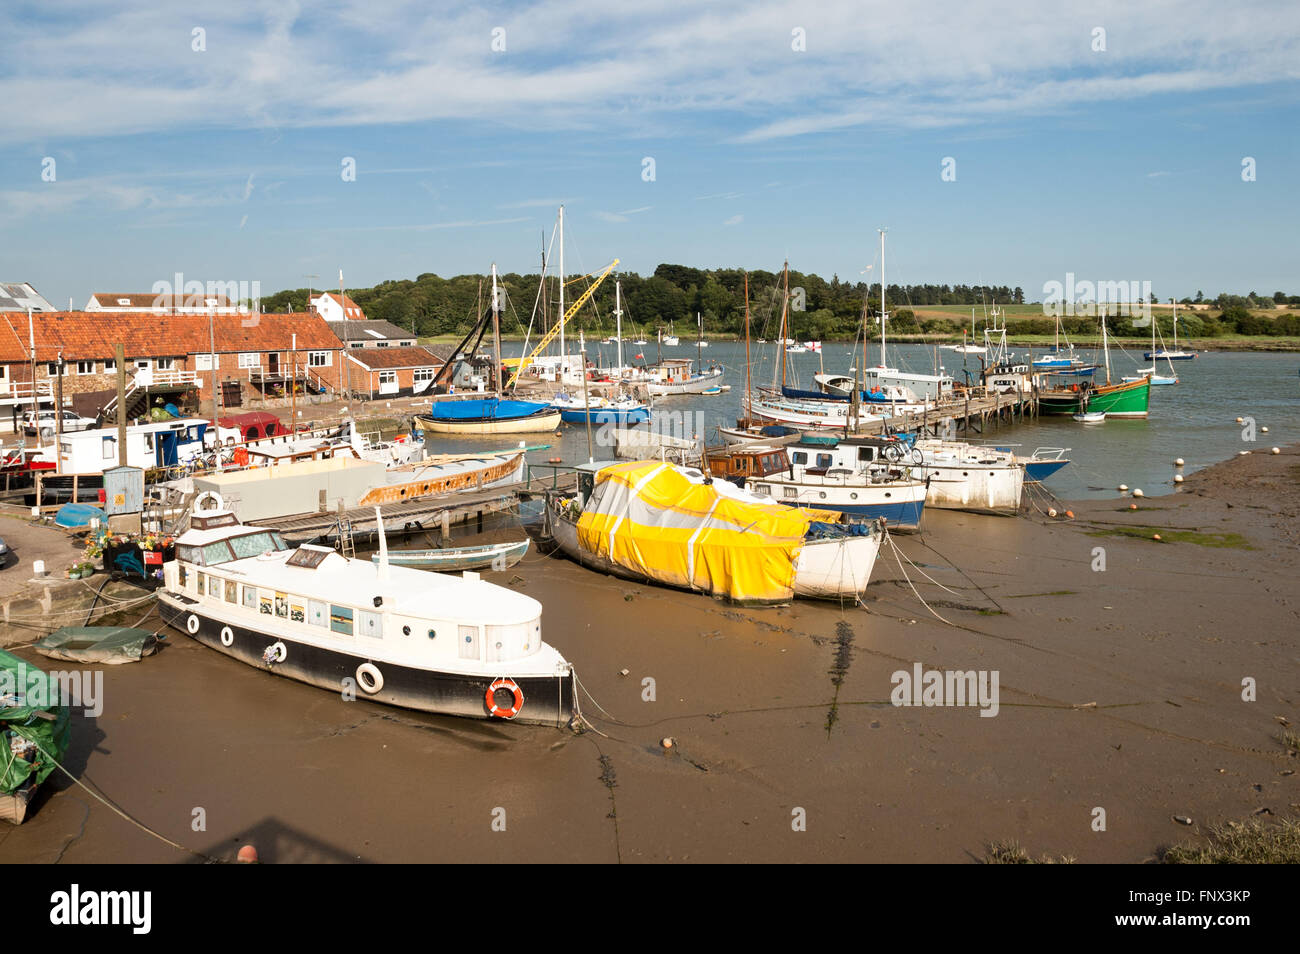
(1105, 344)
(883, 363)
(749, 387)
(496, 330)
(618, 320)
(563, 353)
(785, 306)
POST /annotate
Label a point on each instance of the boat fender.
(192, 624)
(200, 502)
(496, 710)
(369, 678)
(277, 652)
(227, 636)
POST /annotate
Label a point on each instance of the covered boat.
(676, 526)
(35, 729)
(490, 415)
(106, 645)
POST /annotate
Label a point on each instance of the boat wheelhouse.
(860, 477)
(453, 645)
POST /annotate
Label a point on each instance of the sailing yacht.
(1177, 354)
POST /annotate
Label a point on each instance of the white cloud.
(734, 220)
(578, 64)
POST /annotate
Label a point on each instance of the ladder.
(347, 546)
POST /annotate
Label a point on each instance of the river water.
(1194, 419)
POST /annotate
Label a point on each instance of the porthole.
(853, 496)
(433, 634)
(888, 494)
(406, 631)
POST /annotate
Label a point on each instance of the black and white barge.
(453, 645)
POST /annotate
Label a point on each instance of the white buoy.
(1051, 512)
(1123, 487)
(1137, 493)
(1276, 450)
(1242, 453)
(1239, 420)
(1178, 478)
(1263, 430)
(1178, 462)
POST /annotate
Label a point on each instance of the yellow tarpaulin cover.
(649, 517)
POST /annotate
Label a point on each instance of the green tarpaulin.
(109, 645)
(35, 728)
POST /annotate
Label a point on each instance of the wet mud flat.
(1120, 688)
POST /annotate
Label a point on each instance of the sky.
(1000, 143)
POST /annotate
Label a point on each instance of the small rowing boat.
(493, 556)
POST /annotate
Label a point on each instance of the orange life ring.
(491, 701)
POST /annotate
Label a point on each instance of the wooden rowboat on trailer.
(493, 556)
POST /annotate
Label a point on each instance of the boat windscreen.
(252, 544)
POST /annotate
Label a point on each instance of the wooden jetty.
(423, 515)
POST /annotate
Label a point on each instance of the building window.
(110, 365)
(318, 359)
(358, 344)
(165, 364)
(203, 362)
(142, 364)
(423, 374)
(387, 377)
(52, 368)
(250, 359)
(109, 445)
(381, 344)
(85, 367)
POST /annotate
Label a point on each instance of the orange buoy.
(1070, 514)
(490, 699)
(553, 460)
(247, 855)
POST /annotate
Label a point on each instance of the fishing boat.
(676, 376)
(675, 526)
(494, 556)
(1128, 399)
(850, 476)
(452, 645)
(964, 476)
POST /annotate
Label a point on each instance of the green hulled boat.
(1127, 399)
(1131, 399)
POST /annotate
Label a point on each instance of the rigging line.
(108, 804)
(914, 590)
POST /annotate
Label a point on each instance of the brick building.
(256, 355)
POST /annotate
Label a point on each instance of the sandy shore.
(1120, 689)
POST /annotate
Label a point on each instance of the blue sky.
(224, 163)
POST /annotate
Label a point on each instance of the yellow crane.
(573, 310)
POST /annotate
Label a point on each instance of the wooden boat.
(494, 556)
(1091, 417)
(489, 416)
(452, 645)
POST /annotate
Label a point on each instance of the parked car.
(47, 421)
(4, 553)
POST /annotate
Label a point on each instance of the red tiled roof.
(151, 300)
(87, 336)
(389, 359)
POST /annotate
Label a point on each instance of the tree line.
(674, 295)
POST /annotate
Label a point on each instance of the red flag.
(641, 356)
